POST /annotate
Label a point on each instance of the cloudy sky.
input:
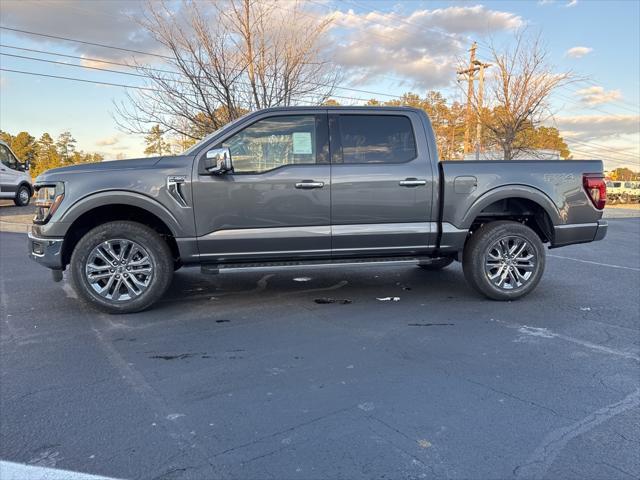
(385, 47)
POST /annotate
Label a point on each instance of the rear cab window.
(366, 139)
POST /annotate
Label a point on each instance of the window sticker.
(302, 143)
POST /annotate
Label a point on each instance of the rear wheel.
(504, 260)
(23, 196)
(121, 267)
(437, 263)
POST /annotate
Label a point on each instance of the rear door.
(276, 202)
(381, 184)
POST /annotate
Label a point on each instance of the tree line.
(447, 119)
(45, 153)
(224, 59)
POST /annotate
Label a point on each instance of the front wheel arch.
(116, 212)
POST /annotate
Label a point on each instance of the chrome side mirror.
(218, 161)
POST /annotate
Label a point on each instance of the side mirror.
(218, 161)
(26, 166)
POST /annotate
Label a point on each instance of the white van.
(15, 182)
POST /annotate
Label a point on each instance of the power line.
(146, 68)
(57, 37)
(88, 59)
(113, 84)
(341, 97)
(84, 42)
(600, 147)
(78, 79)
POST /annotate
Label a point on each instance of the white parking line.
(18, 471)
(596, 263)
(554, 443)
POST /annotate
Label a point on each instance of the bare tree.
(518, 94)
(224, 59)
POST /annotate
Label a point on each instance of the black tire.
(478, 255)
(437, 263)
(158, 256)
(23, 196)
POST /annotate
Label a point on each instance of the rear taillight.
(596, 189)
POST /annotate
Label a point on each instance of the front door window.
(274, 142)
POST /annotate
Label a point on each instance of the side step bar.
(213, 268)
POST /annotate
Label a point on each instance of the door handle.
(309, 184)
(412, 182)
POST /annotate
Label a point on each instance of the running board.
(213, 268)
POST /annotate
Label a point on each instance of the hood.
(104, 166)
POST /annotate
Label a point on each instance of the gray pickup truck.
(288, 187)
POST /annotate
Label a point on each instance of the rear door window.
(375, 139)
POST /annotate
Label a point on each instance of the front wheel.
(23, 196)
(121, 267)
(504, 260)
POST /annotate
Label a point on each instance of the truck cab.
(15, 181)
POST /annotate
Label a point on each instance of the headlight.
(48, 198)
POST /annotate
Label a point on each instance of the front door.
(9, 175)
(381, 184)
(276, 202)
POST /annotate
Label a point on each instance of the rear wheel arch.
(522, 204)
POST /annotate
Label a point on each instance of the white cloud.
(422, 46)
(571, 3)
(587, 127)
(108, 141)
(110, 22)
(597, 95)
(578, 52)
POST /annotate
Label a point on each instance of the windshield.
(198, 145)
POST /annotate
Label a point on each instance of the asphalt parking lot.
(246, 376)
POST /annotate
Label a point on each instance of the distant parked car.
(631, 192)
(15, 182)
(623, 192)
(614, 191)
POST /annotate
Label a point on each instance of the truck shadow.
(374, 285)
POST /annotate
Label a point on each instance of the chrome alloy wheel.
(23, 196)
(510, 262)
(119, 270)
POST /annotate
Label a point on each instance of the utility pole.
(470, 74)
(482, 66)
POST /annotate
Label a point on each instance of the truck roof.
(341, 107)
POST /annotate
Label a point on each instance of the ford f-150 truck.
(301, 186)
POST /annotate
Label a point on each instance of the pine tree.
(155, 142)
(66, 146)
